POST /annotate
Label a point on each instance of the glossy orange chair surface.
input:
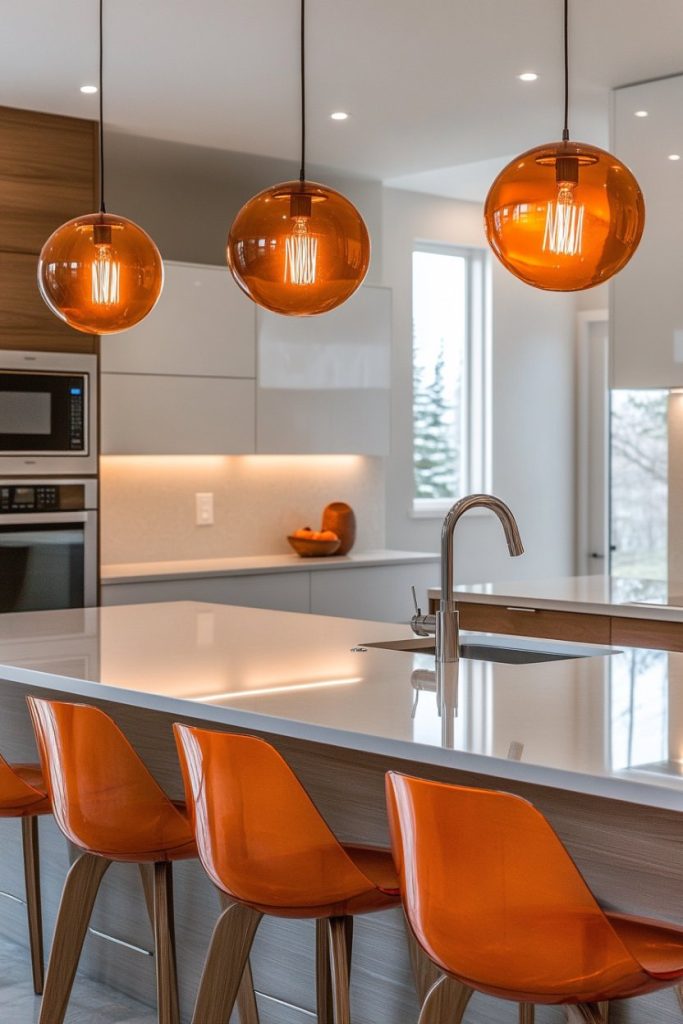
(23, 795)
(108, 805)
(496, 902)
(264, 844)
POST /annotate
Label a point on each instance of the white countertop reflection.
(609, 724)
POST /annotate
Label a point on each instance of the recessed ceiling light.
(339, 115)
(527, 76)
(88, 89)
(674, 156)
(640, 113)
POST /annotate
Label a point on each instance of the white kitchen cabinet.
(202, 325)
(323, 382)
(646, 316)
(381, 593)
(166, 415)
(284, 591)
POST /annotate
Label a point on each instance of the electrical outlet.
(204, 508)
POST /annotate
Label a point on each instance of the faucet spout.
(447, 629)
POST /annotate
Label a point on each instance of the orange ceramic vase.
(341, 519)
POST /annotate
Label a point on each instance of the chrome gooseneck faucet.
(445, 623)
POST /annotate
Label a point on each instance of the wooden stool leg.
(679, 993)
(225, 963)
(585, 1013)
(445, 1002)
(340, 956)
(29, 834)
(527, 1013)
(75, 911)
(323, 976)
(604, 1010)
(247, 1007)
(164, 944)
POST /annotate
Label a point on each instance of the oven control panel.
(41, 497)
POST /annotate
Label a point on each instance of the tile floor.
(91, 1003)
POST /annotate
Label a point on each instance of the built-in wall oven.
(48, 544)
(48, 413)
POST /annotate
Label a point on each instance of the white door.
(593, 444)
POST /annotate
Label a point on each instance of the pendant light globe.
(565, 216)
(100, 273)
(298, 248)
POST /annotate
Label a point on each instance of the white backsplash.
(148, 503)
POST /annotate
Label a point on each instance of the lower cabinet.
(380, 593)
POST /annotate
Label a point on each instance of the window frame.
(475, 409)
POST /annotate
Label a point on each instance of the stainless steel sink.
(485, 652)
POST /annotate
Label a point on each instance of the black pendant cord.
(102, 205)
(302, 170)
(565, 130)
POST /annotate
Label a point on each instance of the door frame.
(585, 319)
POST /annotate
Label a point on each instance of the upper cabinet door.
(323, 382)
(646, 322)
(202, 326)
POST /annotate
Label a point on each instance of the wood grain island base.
(630, 850)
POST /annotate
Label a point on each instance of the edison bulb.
(298, 248)
(100, 273)
(565, 216)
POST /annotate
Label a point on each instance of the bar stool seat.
(23, 795)
(264, 844)
(496, 902)
(110, 807)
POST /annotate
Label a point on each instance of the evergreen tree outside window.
(449, 374)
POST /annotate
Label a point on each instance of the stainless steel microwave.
(48, 413)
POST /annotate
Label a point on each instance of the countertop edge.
(660, 613)
(109, 576)
(621, 789)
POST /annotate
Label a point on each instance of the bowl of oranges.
(310, 543)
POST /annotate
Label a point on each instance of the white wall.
(533, 381)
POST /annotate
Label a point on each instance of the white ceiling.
(429, 85)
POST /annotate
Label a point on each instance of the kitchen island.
(593, 737)
(596, 609)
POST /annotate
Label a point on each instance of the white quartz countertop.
(608, 724)
(249, 565)
(601, 595)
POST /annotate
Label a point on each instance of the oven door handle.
(43, 518)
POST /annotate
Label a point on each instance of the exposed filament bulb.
(564, 218)
(105, 271)
(301, 247)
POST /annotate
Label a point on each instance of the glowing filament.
(564, 223)
(301, 253)
(105, 277)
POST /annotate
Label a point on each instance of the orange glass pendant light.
(299, 248)
(100, 272)
(564, 216)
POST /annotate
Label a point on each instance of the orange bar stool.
(265, 846)
(23, 795)
(496, 902)
(108, 805)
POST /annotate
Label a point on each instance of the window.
(449, 374)
(639, 483)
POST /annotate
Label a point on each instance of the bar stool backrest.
(104, 798)
(259, 835)
(493, 896)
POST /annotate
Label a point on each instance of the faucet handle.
(418, 610)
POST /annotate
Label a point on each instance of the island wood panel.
(536, 622)
(631, 855)
(656, 634)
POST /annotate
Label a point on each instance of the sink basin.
(484, 652)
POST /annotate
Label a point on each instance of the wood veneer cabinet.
(577, 626)
(47, 175)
